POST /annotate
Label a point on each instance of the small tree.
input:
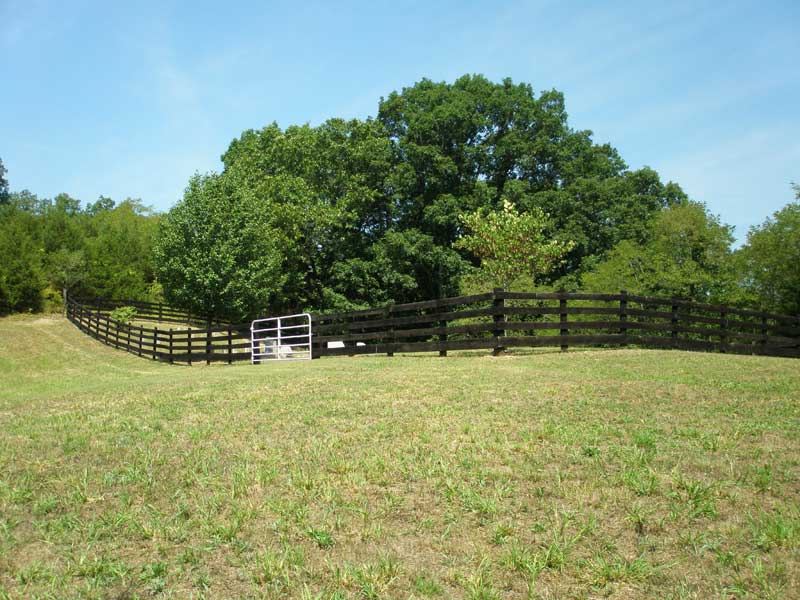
(65, 270)
(512, 247)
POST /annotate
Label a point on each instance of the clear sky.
(130, 99)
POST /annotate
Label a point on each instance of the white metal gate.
(281, 338)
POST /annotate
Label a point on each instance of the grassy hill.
(624, 473)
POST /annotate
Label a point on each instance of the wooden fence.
(209, 340)
(494, 321)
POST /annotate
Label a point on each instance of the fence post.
(160, 312)
(189, 345)
(389, 311)
(623, 317)
(763, 340)
(230, 345)
(442, 336)
(674, 323)
(155, 342)
(562, 305)
(208, 341)
(498, 304)
(170, 346)
(128, 327)
(723, 336)
(141, 330)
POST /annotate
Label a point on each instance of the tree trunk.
(64, 295)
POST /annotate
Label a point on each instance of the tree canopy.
(685, 253)
(361, 212)
(448, 187)
(769, 263)
(49, 246)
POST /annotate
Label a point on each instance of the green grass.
(620, 473)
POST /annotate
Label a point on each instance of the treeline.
(451, 187)
(49, 246)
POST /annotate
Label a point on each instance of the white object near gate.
(281, 338)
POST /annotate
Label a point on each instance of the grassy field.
(623, 473)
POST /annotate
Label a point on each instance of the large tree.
(686, 253)
(218, 251)
(769, 263)
(464, 146)
(368, 211)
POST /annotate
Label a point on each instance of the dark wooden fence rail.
(149, 311)
(493, 321)
(220, 342)
(501, 319)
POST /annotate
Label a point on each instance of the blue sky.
(130, 99)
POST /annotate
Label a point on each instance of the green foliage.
(118, 246)
(124, 314)
(219, 251)
(3, 184)
(66, 268)
(768, 262)
(511, 245)
(48, 246)
(356, 213)
(21, 280)
(466, 145)
(686, 254)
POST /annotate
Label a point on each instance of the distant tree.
(65, 269)
(770, 261)
(21, 280)
(119, 247)
(103, 203)
(512, 246)
(687, 254)
(3, 184)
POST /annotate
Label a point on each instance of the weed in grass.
(321, 537)
(100, 570)
(727, 558)
(427, 586)
(154, 576)
(645, 440)
(34, 572)
(710, 442)
(774, 530)
(637, 518)
(642, 481)
(45, 505)
(698, 542)
(618, 569)
(697, 497)
(500, 533)
(759, 579)
(479, 585)
(762, 478)
(273, 570)
(590, 451)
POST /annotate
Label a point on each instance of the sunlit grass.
(620, 473)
